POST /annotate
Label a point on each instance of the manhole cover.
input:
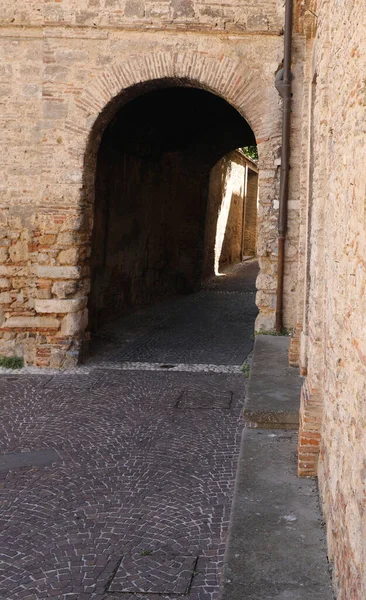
(191, 400)
(153, 573)
(34, 458)
(72, 381)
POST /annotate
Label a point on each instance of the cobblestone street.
(123, 487)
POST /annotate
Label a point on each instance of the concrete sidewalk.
(276, 546)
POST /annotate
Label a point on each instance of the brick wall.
(334, 320)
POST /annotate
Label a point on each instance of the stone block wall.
(333, 350)
(65, 68)
(224, 214)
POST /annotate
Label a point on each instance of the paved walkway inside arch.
(117, 478)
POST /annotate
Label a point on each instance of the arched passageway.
(169, 209)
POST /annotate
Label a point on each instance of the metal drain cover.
(35, 458)
(153, 573)
(62, 382)
(192, 400)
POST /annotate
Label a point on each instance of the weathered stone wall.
(231, 213)
(65, 67)
(233, 204)
(201, 15)
(333, 349)
(225, 200)
(152, 243)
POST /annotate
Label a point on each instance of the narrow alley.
(117, 477)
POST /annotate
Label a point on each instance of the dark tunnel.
(152, 185)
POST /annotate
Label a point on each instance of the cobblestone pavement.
(124, 483)
(213, 326)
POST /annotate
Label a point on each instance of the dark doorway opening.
(156, 214)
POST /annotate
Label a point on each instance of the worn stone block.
(32, 323)
(74, 323)
(5, 297)
(266, 282)
(47, 239)
(62, 289)
(4, 254)
(59, 306)
(134, 8)
(68, 257)
(182, 8)
(19, 252)
(57, 272)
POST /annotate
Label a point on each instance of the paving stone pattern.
(213, 326)
(138, 507)
(209, 327)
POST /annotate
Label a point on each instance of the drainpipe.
(283, 86)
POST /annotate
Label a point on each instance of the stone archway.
(221, 76)
(52, 329)
(155, 213)
(224, 77)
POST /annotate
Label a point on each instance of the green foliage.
(251, 152)
(246, 370)
(283, 332)
(145, 552)
(11, 362)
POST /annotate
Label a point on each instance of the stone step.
(273, 396)
(276, 546)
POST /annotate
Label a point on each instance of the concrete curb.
(276, 548)
(274, 388)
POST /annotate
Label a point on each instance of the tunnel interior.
(154, 222)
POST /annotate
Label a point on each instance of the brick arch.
(239, 85)
(246, 89)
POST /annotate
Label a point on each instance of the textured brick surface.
(332, 431)
(66, 66)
